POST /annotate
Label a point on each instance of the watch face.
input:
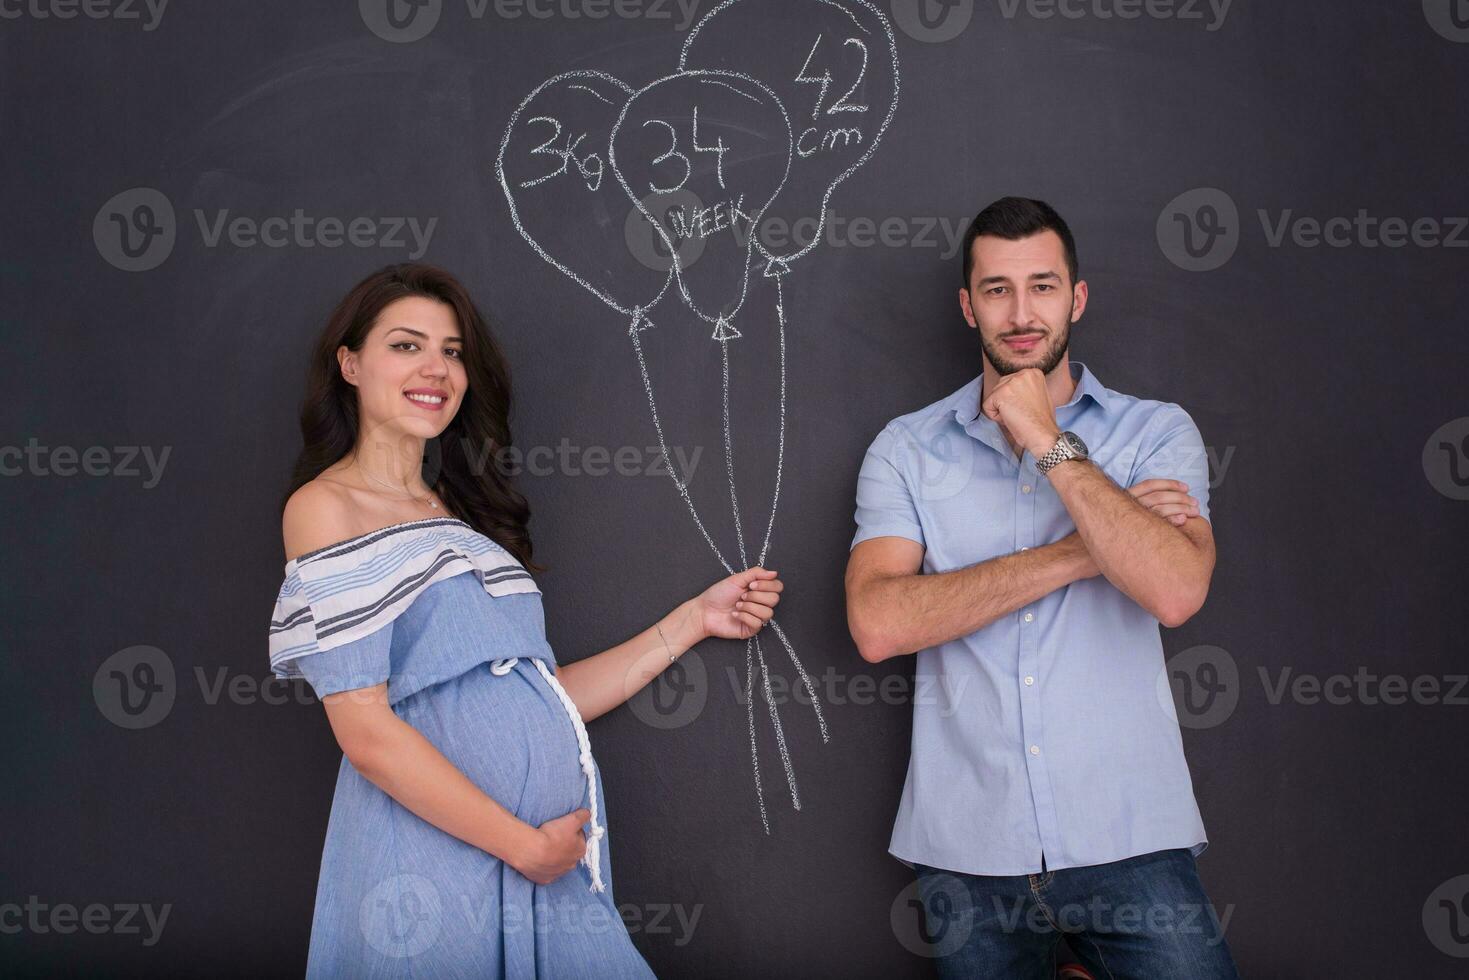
(1074, 441)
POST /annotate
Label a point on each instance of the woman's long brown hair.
(467, 478)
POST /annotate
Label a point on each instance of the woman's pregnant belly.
(508, 733)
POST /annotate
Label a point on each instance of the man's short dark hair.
(1014, 218)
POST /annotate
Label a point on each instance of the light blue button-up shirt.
(1051, 730)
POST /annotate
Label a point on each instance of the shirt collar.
(966, 399)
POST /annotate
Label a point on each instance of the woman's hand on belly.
(554, 849)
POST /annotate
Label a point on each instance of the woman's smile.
(432, 399)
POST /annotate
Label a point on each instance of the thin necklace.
(429, 500)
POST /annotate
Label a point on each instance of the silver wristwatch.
(1069, 446)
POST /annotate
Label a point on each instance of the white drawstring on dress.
(593, 856)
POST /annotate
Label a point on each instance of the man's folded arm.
(1163, 568)
(894, 610)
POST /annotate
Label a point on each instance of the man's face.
(1021, 301)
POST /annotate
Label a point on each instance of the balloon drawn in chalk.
(737, 163)
(553, 168)
(684, 170)
(840, 87)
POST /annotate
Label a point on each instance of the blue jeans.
(1145, 917)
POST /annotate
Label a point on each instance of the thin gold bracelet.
(672, 657)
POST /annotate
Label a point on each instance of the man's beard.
(1006, 363)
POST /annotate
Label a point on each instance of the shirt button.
(1029, 617)
(1029, 679)
(1025, 489)
(1035, 750)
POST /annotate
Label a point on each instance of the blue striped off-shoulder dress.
(454, 625)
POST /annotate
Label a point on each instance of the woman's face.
(409, 374)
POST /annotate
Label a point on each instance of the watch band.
(1058, 453)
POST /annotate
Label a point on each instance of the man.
(1047, 789)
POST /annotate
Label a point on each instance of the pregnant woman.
(468, 834)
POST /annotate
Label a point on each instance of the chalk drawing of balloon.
(724, 137)
(836, 74)
(553, 167)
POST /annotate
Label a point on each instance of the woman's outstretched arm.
(736, 607)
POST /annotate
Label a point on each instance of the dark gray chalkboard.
(187, 193)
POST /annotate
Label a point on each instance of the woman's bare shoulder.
(318, 514)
